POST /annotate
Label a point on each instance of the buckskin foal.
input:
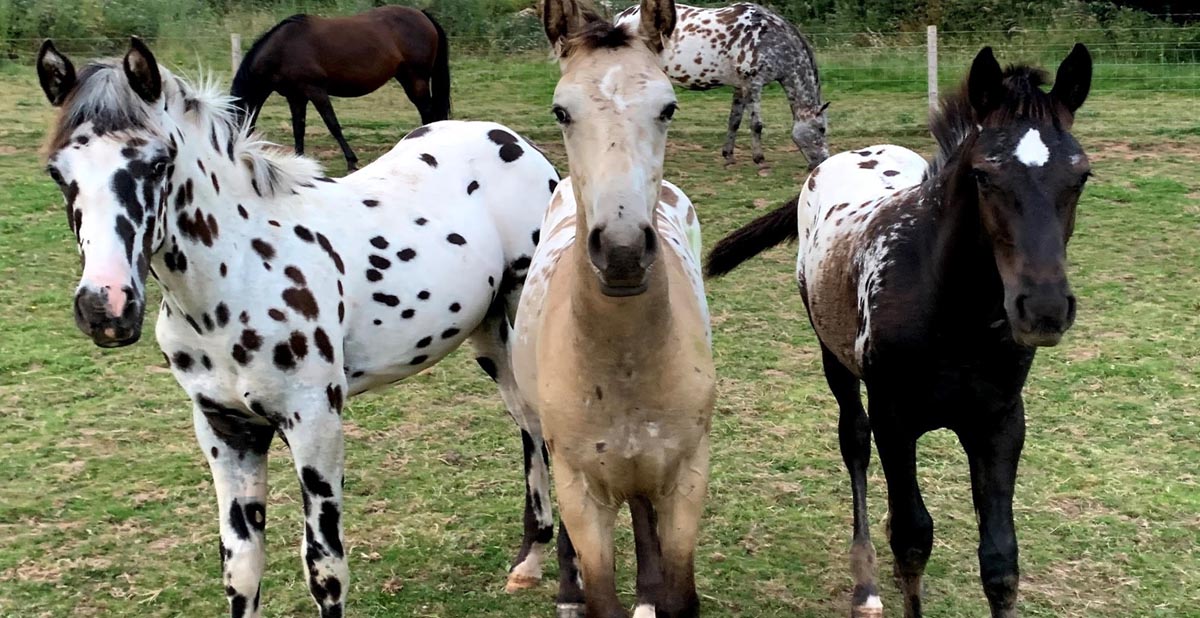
(934, 286)
(612, 341)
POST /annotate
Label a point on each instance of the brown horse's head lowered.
(614, 105)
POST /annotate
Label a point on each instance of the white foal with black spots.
(285, 292)
(747, 46)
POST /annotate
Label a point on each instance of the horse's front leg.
(235, 445)
(492, 353)
(993, 450)
(313, 432)
(298, 105)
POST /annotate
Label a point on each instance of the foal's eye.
(561, 115)
(668, 112)
(160, 167)
(981, 178)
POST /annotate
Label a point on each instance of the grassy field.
(107, 509)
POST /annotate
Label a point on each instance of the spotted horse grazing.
(747, 46)
(613, 346)
(934, 285)
(286, 292)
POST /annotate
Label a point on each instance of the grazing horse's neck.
(627, 328)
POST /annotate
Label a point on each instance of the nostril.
(596, 248)
(651, 245)
(1070, 308)
(1021, 314)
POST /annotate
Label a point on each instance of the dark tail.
(440, 90)
(753, 238)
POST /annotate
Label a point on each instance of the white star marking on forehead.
(609, 87)
(1031, 150)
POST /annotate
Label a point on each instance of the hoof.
(517, 581)
(645, 610)
(570, 610)
(872, 607)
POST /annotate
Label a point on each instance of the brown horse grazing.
(612, 344)
(308, 58)
(934, 285)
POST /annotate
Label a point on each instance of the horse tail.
(753, 238)
(440, 90)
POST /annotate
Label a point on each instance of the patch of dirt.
(1125, 150)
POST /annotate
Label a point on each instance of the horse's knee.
(757, 127)
(911, 539)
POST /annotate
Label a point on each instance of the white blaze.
(1031, 150)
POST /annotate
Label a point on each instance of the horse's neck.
(964, 267)
(617, 330)
(201, 220)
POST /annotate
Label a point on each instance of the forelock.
(598, 34)
(103, 97)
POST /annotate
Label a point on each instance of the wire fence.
(1140, 73)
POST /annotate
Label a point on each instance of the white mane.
(200, 110)
(214, 117)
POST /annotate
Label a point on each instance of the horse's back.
(849, 213)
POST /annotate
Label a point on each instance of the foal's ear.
(141, 69)
(561, 18)
(657, 22)
(985, 83)
(55, 72)
(823, 108)
(1074, 79)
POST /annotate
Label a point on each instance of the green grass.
(106, 507)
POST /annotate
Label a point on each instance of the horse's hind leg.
(679, 515)
(299, 107)
(756, 125)
(993, 450)
(236, 449)
(854, 433)
(735, 122)
(320, 100)
(649, 556)
(490, 341)
(418, 91)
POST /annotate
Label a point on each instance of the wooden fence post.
(235, 51)
(931, 49)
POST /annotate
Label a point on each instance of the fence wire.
(1139, 72)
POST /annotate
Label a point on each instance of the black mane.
(955, 120)
(598, 34)
(245, 82)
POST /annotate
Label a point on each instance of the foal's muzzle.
(623, 263)
(94, 318)
(1040, 314)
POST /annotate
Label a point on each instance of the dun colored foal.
(612, 341)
